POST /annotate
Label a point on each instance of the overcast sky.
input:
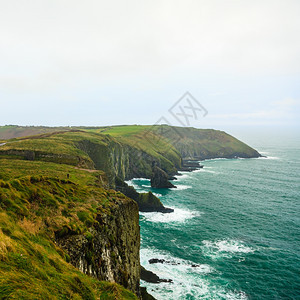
(70, 62)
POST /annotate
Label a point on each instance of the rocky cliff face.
(121, 160)
(110, 251)
(159, 179)
(147, 202)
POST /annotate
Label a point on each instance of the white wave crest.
(184, 175)
(146, 185)
(157, 195)
(224, 248)
(181, 187)
(188, 281)
(268, 157)
(131, 183)
(205, 170)
(179, 215)
(171, 263)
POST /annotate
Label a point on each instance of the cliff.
(53, 226)
(123, 151)
(127, 151)
(109, 250)
(200, 144)
(68, 221)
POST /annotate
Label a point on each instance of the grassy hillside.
(163, 140)
(14, 131)
(191, 143)
(91, 149)
(200, 144)
(36, 208)
(56, 183)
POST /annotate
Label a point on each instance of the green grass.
(14, 169)
(90, 149)
(123, 130)
(33, 209)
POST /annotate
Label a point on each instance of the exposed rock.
(147, 202)
(156, 260)
(110, 251)
(159, 179)
(151, 277)
(145, 295)
(166, 280)
(189, 165)
(162, 261)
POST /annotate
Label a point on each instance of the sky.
(93, 63)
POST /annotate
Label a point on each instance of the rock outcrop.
(159, 179)
(189, 166)
(147, 202)
(151, 277)
(110, 250)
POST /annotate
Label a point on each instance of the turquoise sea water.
(237, 221)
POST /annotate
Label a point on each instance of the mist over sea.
(234, 233)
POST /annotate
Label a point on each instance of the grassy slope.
(189, 142)
(143, 138)
(40, 198)
(204, 143)
(63, 147)
(14, 131)
(58, 147)
(33, 208)
(160, 140)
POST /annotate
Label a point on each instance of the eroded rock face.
(110, 250)
(147, 202)
(159, 179)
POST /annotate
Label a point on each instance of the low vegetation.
(56, 182)
(34, 209)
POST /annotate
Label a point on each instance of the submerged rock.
(159, 179)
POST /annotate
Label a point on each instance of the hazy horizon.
(93, 63)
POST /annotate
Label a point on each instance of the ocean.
(234, 233)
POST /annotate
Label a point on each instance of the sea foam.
(224, 248)
(182, 273)
(180, 187)
(179, 215)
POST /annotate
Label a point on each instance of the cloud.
(287, 103)
(281, 111)
(98, 38)
(71, 51)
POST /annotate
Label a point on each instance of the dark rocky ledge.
(168, 262)
(151, 277)
(190, 165)
(159, 179)
(147, 202)
(145, 295)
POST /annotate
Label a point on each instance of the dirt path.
(88, 170)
